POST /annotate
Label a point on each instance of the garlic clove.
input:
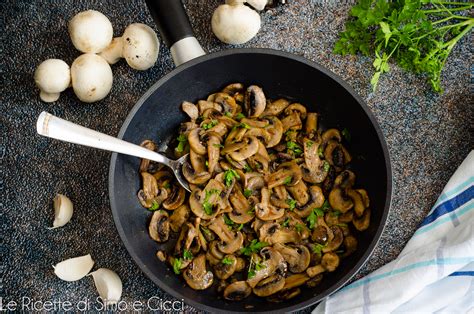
(63, 210)
(108, 284)
(74, 268)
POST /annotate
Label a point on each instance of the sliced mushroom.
(226, 102)
(311, 125)
(197, 276)
(359, 205)
(233, 88)
(330, 261)
(271, 262)
(213, 151)
(266, 211)
(363, 222)
(313, 282)
(225, 270)
(276, 107)
(295, 280)
(254, 101)
(197, 161)
(196, 200)
(237, 291)
(188, 240)
(320, 235)
(190, 109)
(241, 207)
(145, 163)
(336, 240)
(269, 286)
(179, 217)
(230, 241)
(204, 105)
(350, 245)
(193, 176)
(316, 201)
(336, 155)
(298, 108)
(365, 197)
(314, 169)
(331, 134)
(345, 179)
(275, 130)
(272, 233)
(297, 257)
(289, 173)
(195, 141)
(299, 192)
(247, 151)
(339, 200)
(175, 198)
(159, 227)
(291, 121)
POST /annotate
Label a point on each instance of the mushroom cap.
(52, 76)
(91, 77)
(235, 24)
(140, 46)
(90, 31)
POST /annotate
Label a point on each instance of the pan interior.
(157, 116)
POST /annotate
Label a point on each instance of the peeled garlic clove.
(63, 210)
(74, 268)
(108, 285)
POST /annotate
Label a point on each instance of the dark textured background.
(428, 136)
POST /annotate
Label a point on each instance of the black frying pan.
(157, 116)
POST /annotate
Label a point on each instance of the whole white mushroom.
(258, 5)
(52, 77)
(90, 31)
(235, 24)
(139, 45)
(91, 77)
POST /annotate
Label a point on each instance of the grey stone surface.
(428, 136)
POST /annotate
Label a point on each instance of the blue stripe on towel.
(452, 192)
(449, 206)
(462, 273)
(444, 261)
(460, 211)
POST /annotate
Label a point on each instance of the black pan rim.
(335, 287)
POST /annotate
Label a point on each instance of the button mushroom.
(91, 77)
(52, 77)
(235, 24)
(266, 211)
(339, 200)
(159, 227)
(139, 45)
(237, 291)
(329, 262)
(336, 240)
(297, 257)
(197, 276)
(90, 31)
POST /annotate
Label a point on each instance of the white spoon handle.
(57, 128)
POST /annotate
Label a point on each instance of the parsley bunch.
(417, 34)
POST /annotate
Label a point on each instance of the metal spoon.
(57, 128)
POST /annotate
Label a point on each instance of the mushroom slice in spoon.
(269, 286)
(237, 291)
(197, 276)
(297, 257)
(254, 101)
(159, 227)
(339, 200)
(266, 211)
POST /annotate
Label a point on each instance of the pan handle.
(175, 29)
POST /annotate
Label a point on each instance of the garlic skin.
(63, 210)
(74, 268)
(108, 284)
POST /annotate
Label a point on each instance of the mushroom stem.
(113, 53)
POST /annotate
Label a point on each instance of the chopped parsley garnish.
(286, 222)
(239, 116)
(206, 205)
(218, 146)
(177, 265)
(154, 205)
(240, 227)
(326, 166)
(207, 208)
(227, 261)
(167, 185)
(347, 135)
(182, 139)
(247, 192)
(317, 248)
(253, 247)
(320, 152)
(207, 163)
(229, 176)
(251, 210)
(253, 268)
(294, 148)
(309, 144)
(187, 254)
(228, 221)
(287, 180)
(336, 213)
(291, 203)
(317, 212)
(228, 114)
(299, 227)
(247, 168)
(207, 126)
(244, 125)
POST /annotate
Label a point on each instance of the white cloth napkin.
(435, 271)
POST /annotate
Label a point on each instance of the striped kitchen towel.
(435, 271)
